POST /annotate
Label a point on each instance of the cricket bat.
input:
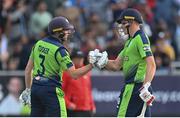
(143, 110)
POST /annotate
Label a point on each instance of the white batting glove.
(94, 56)
(145, 95)
(25, 97)
(103, 60)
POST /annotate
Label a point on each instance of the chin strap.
(58, 38)
(128, 31)
(61, 35)
(127, 27)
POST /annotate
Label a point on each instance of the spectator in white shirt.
(11, 106)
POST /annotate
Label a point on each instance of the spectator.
(159, 26)
(4, 54)
(117, 7)
(99, 28)
(40, 18)
(164, 46)
(18, 19)
(78, 96)
(164, 10)
(13, 63)
(163, 52)
(144, 8)
(10, 105)
(24, 52)
(162, 60)
(89, 43)
(114, 45)
(14, 60)
(147, 14)
(97, 6)
(20, 51)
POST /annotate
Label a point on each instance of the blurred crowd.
(10, 105)
(24, 22)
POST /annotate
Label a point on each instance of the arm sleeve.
(64, 59)
(32, 53)
(143, 47)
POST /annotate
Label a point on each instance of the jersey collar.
(53, 40)
(137, 32)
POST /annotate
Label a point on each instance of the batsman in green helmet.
(48, 59)
(137, 63)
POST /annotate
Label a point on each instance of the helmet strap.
(59, 36)
(128, 26)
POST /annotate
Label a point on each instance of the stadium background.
(24, 22)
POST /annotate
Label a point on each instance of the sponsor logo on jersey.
(126, 58)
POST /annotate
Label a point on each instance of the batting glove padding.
(102, 62)
(145, 95)
(94, 56)
(25, 97)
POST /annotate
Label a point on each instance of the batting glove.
(145, 95)
(94, 56)
(103, 60)
(25, 97)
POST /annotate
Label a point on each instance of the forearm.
(112, 65)
(150, 72)
(28, 70)
(28, 79)
(81, 71)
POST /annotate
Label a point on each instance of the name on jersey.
(43, 49)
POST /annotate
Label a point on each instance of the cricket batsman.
(48, 59)
(137, 62)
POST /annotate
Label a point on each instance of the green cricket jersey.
(133, 57)
(50, 58)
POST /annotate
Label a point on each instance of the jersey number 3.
(41, 72)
